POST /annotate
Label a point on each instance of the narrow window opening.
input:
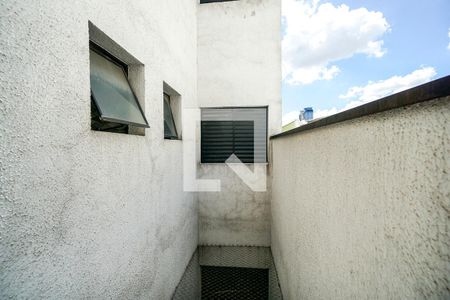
(170, 129)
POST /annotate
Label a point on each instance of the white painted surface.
(360, 209)
(239, 64)
(86, 214)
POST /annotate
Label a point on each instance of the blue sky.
(360, 50)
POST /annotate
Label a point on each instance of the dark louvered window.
(239, 131)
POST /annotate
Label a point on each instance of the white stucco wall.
(360, 209)
(87, 214)
(239, 64)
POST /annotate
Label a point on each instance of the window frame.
(266, 108)
(176, 137)
(105, 54)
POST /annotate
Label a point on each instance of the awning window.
(112, 93)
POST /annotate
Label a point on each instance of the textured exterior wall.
(87, 214)
(235, 71)
(360, 209)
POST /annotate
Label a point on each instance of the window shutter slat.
(239, 131)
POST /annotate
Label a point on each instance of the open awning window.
(112, 93)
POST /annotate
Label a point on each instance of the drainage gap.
(234, 283)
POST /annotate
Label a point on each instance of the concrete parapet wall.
(361, 208)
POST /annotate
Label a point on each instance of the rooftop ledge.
(428, 91)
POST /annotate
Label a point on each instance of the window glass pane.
(170, 131)
(112, 92)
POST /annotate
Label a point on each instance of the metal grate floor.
(229, 272)
(234, 283)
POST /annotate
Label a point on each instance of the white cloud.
(395, 84)
(359, 95)
(308, 75)
(448, 47)
(319, 34)
(321, 113)
(290, 117)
